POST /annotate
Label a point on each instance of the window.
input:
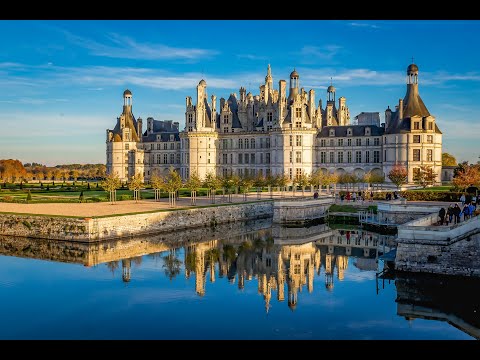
(416, 154)
(225, 129)
(269, 116)
(127, 146)
(430, 139)
(349, 156)
(332, 132)
(340, 157)
(267, 158)
(224, 143)
(158, 146)
(158, 158)
(416, 139)
(385, 155)
(298, 113)
(299, 173)
(165, 146)
(332, 142)
(298, 124)
(368, 141)
(261, 158)
(172, 146)
(323, 157)
(246, 143)
(359, 142)
(332, 157)
(225, 158)
(349, 142)
(376, 156)
(358, 157)
(416, 125)
(376, 141)
(178, 158)
(246, 159)
(298, 156)
(252, 158)
(252, 143)
(165, 158)
(291, 156)
(340, 142)
(367, 156)
(290, 176)
(322, 143)
(349, 132)
(172, 158)
(291, 140)
(240, 143)
(190, 118)
(240, 158)
(225, 119)
(429, 155)
(430, 125)
(267, 143)
(298, 140)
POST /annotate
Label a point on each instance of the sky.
(63, 80)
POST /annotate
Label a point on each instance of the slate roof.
(357, 130)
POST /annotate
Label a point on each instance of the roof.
(127, 92)
(202, 82)
(357, 130)
(164, 136)
(331, 88)
(412, 68)
(232, 102)
(413, 104)
(294, 73)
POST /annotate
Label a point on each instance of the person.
(315, 194)
(465, 212)
(471, 210)
(462, 199)
(450, 214)
(441, 215)
(474, 202)
(456, 212)
(371, 196)
(395, 195)
(354, 196)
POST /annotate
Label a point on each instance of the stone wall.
(452, 250)
(300, 211)
(396, 212)
(119, 226)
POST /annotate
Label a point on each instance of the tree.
(398, 175)
(282, 181)
(157, 185)
(468, 175)
(171, 264)
(193, 183)
(448, 160)
(212, 183)
(173, 183)
(135, 184)
(236, 181)
(259, 182)
(29, 196)
(303, 181)
(74, 174)
(111, 184)
(246, 183)
(424, 176)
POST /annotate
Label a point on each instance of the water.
(237, 281)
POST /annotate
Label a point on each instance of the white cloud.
(251, 57)
(310, 54)
(363, 25)
(119, 46)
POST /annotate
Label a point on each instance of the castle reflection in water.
(281, 259)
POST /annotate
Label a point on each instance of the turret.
(294, 85)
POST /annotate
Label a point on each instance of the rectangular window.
(267, 158)
(127, 146)
(298, 113)
(429, 155)
(252, 158)
(416, 139)
(358, 157)
(322, 143)
(290, 176)
(224, 143)
(368, 141)
(385, 155)
(172, 158)
(430, 125)
(178, 158)
(367, 156)
(332, 142)
(291, 140)
(349, 142)
(240, 158)
(267, 144)
(359, 142)
(225, 158)
(269, 116)
(323, 157)
(349, 156)
(240, 143)
(252, 143)
(291, 156)
(158, 158)
(298, 156)
(376, 156)
(261, 158)
(340, 157)
(246, 144)
(430, 139)
(246, 159)
(225, 129)
(165, 158)
(190, 118)
(225, 119)
(416, 154)
(158, 146)
(299, 173)
(332, 157)
(298, 140)
(376, 141)
(340, 142)
(416, 125)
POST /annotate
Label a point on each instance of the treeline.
(12, 171)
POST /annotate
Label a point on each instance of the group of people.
(356, 196)
(454, 213)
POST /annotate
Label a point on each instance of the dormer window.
(367, 131)
(349, 132)
(430, 125)
(416, 125)
(332, 132)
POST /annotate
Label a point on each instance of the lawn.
(434, 188)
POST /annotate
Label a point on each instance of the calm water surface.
(240, 281)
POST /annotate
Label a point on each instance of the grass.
(350, 208)
(434, 188)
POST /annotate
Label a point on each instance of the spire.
(269, 71)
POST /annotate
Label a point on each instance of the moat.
(251, 280)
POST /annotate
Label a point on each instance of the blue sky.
(63, 80)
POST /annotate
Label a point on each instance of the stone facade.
(276, 132)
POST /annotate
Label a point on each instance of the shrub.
(29, 196)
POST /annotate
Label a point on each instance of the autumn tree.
(448, 160)
(193, 183)
(398, 175)
(468, 175)
(173, 183)
(157, 184)
(282, 181)
(111, 184)
(212, 183)
(135, 184)
(424, 176)
(303, 181)
(246, 183)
